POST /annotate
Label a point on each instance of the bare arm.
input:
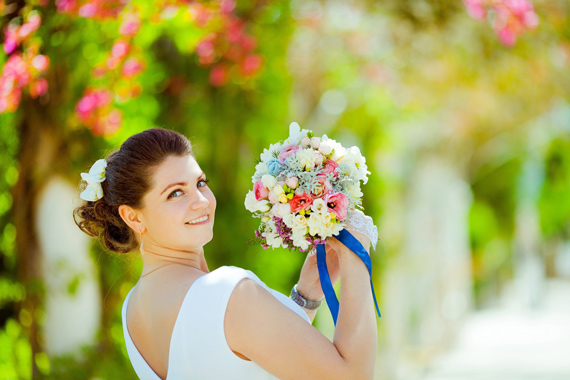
(263, 329)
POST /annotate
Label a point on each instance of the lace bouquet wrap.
(306, 189)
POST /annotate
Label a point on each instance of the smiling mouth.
(200, 220)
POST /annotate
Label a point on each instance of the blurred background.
(461, 109)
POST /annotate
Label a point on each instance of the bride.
(183, 321)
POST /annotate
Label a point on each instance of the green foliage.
(554, 204)
(15, 352)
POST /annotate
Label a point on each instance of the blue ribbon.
(354, 245)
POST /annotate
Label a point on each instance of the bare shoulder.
(260, 327)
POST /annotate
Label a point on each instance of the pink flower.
(287, 151)
(66, 6)
(11, 39)
(91, 102)
(292, 182)
(507, 36)
(330, 167)
(323, 188)
(130, 27)
(260, 191)
(40, 62)
(337, 203)
(120, 48)
(38, 88)
(34, 21)
(475, 9)
(219, 75)
(301, 202)
(251, 64)
(131, 67)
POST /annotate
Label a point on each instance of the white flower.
(298, 223)
(317, 223)
(253, 205)
(306, 157)
(339, 150)
(268, 153)
(319, 158)
(273, 240)
(349, 170)
(360, 163)
(273, 198)
(260, 170)
(325, 149)
(295, 134)
(92, 192)
(332, 229)
(268, 180)
(96, 175)
(319, 206)
(280, 210)
(278, 190)
(315, 142)
(354, 190)
(300, 241)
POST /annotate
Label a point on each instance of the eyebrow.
(180, 183)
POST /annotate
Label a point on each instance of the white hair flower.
(96, 175)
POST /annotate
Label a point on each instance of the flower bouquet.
(306, 189)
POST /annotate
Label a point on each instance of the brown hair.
(127, 179)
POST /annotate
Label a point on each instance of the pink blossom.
(219, 75)
(287, 151)
(507, 36)
(66, 6)
(40, 62)
(324, 187)
(88, 10)
(251, 64)
(301, 202)
(91, 101)
(475, 9)
(38, 88)
(227, 6)
(11, 39)
(132, 67)
(248, 43)
(330, 167)
(260, 191)
(107, 124)
(120, 48)
(131, 26)
(34, 21)
(292, 182)
(337, 203)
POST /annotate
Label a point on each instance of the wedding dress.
(198, 347)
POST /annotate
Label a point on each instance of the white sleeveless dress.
(198, 347)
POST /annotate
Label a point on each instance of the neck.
(153, 254)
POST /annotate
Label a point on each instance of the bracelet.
(302, 301)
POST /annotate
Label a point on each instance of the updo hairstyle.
(127, 179)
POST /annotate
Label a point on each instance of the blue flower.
(274, 166)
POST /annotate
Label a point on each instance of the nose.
(200, 201)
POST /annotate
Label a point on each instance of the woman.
(183, 321)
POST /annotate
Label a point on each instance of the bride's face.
(177, 204)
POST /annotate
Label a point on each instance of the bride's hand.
(309, 284)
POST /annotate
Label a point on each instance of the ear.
(131, 217)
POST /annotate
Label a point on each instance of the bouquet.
(304, 190)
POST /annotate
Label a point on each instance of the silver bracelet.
(302, 301)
